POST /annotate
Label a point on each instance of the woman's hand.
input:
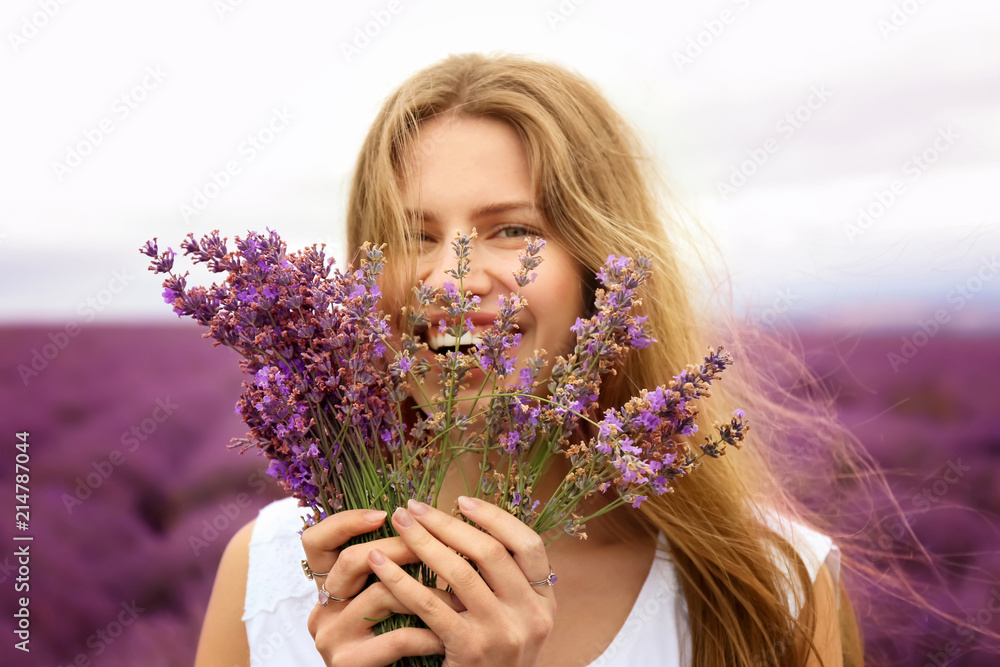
(342, 635)
(502, 619)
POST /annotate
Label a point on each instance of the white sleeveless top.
(655, 634)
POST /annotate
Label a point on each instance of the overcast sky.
(780, 122)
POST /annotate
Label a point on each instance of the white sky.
(224, 73)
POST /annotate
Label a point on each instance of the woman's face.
(473, 173)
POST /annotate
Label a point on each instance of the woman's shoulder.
(278, 597)
(813, 547)
(275, 553)
(222, 635)
(658, 624)
(817, 551)
(278, 520)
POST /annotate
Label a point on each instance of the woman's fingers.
(437, 611)
(322, 541)
(440, 557)
(393, 646)
(510, 630)
(343, 632)
(364, 611)
(488, 604)
(509, 556)
(351, 570)
(346, 569)
(382, 650)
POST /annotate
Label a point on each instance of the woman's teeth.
(439, 341)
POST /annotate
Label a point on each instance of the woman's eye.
(517, 231)
(419, 238)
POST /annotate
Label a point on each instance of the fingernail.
(375, 516)
(376, 557)
(402, 517)
(467, 504)
(417, 507)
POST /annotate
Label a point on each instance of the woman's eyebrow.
(502, 207)
(484, 211)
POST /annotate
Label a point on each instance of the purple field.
(134, 494)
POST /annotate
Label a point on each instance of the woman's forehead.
(476, 167)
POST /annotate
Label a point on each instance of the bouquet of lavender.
(328, 384)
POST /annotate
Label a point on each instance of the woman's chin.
(473, 396)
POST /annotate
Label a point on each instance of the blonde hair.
(594, 186)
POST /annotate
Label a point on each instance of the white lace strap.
(275, 570)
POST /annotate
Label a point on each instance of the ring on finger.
(547, 581)
(325, 596)
(310, 575)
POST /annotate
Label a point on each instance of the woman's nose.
(444, 265)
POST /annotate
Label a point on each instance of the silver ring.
(310, 575)
(325, 596)
(547, 581)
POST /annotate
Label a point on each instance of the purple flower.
(648, 420)
(509, 441)
(657, 401)
(611, 424)
(277, 469)
(164, 262)
(150, 249)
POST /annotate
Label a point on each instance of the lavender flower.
(327, 381)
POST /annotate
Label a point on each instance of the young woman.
(724, 571)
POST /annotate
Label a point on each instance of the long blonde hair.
(596, 189)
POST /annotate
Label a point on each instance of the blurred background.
(845, 157)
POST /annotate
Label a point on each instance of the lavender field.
(134, 493)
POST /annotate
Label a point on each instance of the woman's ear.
(589, 285)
